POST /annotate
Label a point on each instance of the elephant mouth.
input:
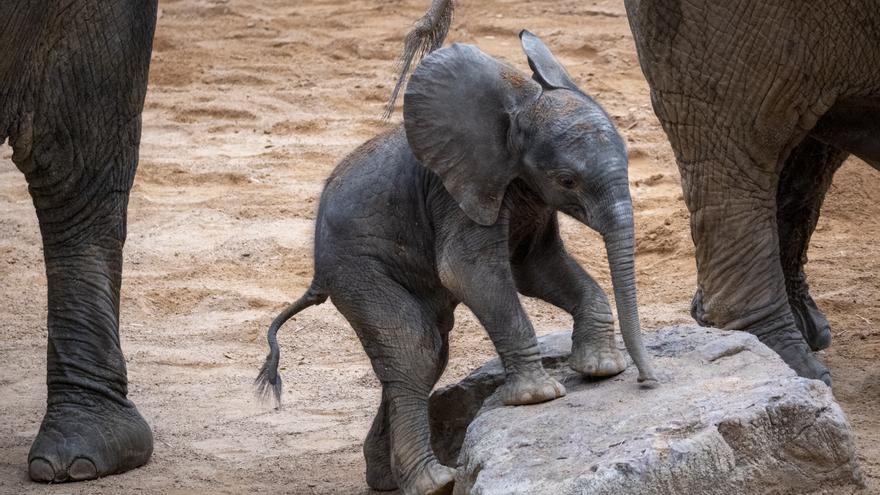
(581, 213)
(576, 211)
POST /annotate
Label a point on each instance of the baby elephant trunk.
(618, 233)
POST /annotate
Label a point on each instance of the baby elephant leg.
(474, 265)
(593, 349)
(405, 349)
(492, 296)
(377, 450)
(549, 273)
(377, 446)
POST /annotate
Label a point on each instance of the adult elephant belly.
(853, 125)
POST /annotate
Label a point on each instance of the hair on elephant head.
(479, 124)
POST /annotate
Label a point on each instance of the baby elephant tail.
(269, 379)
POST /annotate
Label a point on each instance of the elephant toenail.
(41, 470)
(82, 469)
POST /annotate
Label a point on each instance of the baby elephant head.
(479, 124)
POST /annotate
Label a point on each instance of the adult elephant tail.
(269, 379)
(426, 36)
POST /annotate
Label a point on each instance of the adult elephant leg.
(75, 137)
(805, 179)
(406, 350)
(90, 429)
(543, 269)
(730, 184)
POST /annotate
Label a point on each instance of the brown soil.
(250, 106)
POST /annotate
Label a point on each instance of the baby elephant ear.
(457, 111)
(547, 70)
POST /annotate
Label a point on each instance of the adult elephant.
(762, 102)
(73, 76)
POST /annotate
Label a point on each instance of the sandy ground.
(250, 106)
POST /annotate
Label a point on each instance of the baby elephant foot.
(433, 479)
(78, 442)
(596, 361)
(377, 454)
(530, 388)
(380, 478)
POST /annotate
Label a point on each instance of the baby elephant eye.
(567, 181)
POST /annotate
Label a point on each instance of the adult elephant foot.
(783, 336)
(787, 340)
(80, 442)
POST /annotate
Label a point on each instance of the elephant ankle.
(777, 332)
(78, 390)
(524, 361)
(593, 330)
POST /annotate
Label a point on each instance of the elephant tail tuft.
(426, 36)
(268, 380)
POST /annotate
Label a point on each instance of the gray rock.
(729, 418)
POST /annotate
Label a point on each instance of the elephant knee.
(22, 141)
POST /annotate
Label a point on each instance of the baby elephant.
(459, 205)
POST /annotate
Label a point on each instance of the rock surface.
(729, 417)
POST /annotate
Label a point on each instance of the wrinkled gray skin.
(762, 101)
(460, 206)
(73, 76)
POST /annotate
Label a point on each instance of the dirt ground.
(249, 107)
